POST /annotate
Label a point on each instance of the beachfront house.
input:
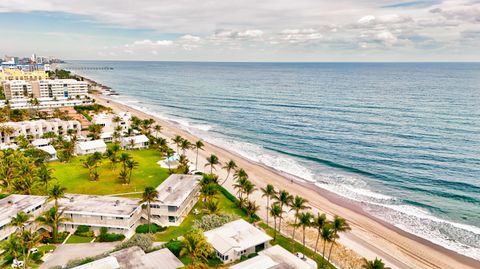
(135, 257)
(275, 257)
(89, 147)
(135, 142)
(118, 215)
(176, 197)
(12, 204)
(235, 239)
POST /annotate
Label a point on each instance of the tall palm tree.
(198, 146)
(94, 131)
(57, 192)
(184, 145)
(318, 222)
(52, 218)
(212, 206)
(208, 191)
(375, 264)
(239, 174)
(327, 237)
(338, 224)
(195, 246)
(12, 246)
(248, 188)
(19, 221)
(131, 164)
(251, 208)
(276, 212)
(44, 175)
(229, 166)
(212, 160)
(150, 195)
(29, 240)
(239, 185)
(268, 192)
(304, 221)
(297, 204)
(283, 198)
(157, 128)
(177, 140)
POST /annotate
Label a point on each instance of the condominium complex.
(17, 90)
(36, 129)
(13, 204)
(17, 74)
(110, 122)
(118, 215)
(176, 197)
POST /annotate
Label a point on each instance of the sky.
(242, 30)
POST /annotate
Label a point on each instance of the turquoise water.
(402, 139)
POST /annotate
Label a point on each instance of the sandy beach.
(370, 237)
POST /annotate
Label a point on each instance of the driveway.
(67, 252)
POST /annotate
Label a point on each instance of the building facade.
(176, 197)
(15, 203)
(17, 74)
(118, 215)
(89, 147)
(17, 90)
(36, 129)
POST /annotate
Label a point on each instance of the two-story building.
(176, 197)
(37, 128)
(15, 203)
(118, 215)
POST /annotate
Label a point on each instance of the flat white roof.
(274, 257)
(98, 205)
(238, 235)
(48, 149)
(135, 257)
(11, 205)
(93, 144)
(8, 146)
(176, 188)
(40, 142)
(105, 263)
(137, 138)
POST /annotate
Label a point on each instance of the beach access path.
(369, 238)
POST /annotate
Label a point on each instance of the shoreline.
(398, 248)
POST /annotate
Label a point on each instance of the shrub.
(251, 255)
(209, 222)
(154, 228)
(84, 231)
(174, 246)
(243, 258)
(141, 240)
(106, 237)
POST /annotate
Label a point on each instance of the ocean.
(401, 139)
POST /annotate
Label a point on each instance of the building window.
(172, 208)
(171, 219)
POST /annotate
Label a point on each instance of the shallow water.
(401, 138)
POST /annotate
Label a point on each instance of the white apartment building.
(106, 120)
(273, 258)
(12, 204)
(135, 142)
(89, 147)
(176, 197)
(36, 129)
(118, 215)
(16, 90)
(235, 239)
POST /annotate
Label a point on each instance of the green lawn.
(46, 248)
(294, 246)
(172, 232)
(75, 239)
(74, 177)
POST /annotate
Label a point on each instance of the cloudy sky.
(243, 30)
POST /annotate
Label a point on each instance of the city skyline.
(346, 30)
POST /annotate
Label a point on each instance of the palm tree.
(44, 175)
(269, 192)
(239, 185)
(208, 191)
(184, 145)
(124, 158)
(239, 174)
(112, 156)
(12, 246)
(212, 206)
(251, 208)
(318, 222)
(116, 120)
(327, 237)
(195, 246)
(375, 264)
(56, 192)
(29, 240)
(19, 221)
(304, 221)
(131, 164)
(248, 188)
(150, 195)
(94, 131)
(276, 212)
(52, 218)
(169, 153)
(157, 128)
(229, 166)
(338, 224)
(177, 140)
(283, 198)
(297, 204)
(212, 160)
(198, 146)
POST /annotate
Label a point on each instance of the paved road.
(67, 252)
